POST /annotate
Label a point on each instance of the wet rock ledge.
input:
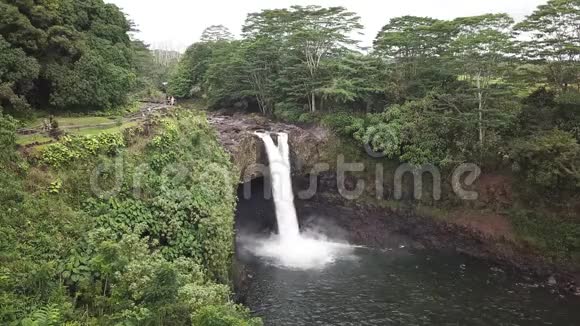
(235, 132)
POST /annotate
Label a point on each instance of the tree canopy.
(70, 55)
(430, 90)
(555, 41)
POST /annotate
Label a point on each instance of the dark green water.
(402, 288)
(390, 287)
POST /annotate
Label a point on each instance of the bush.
(569, 112)
(549, 160)
(555, 237)
(7, 138)
(73, 148)
(344, 123)
(224, 316)
(289, 112)
(384, 138)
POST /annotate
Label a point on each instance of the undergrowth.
(81, 244)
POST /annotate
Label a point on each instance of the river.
(303, 280)
(402, 288)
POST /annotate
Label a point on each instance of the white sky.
(175, 24)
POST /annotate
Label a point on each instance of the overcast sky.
(175, 24)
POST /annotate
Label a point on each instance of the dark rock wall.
(307, 143)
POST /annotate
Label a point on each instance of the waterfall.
(290, 248)
(279, 159)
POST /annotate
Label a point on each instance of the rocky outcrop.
(236, 130)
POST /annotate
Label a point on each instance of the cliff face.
(235, 131)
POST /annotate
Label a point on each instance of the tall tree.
(83, 49)
(261, 65)
(307, 35)
(478, 54)
(225, 78)
(17, 73)
(215, 33)
(413, 46)
(355, 80)
(318, 33)
(555, 41)
(413, 37)
(189, 77)
(265, 46)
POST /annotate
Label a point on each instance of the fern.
(45, 316)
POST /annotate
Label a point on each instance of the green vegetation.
(556, 238)
(432, 91)
(25, 140)
(158, 252)
(77, 54)
(125, 224)
(72, 55)
(76, 129)
(82, 120)
(115, 223)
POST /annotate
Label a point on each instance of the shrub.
(344, 123)
(548, 160)
(384, 138)
(7, 138)
(224, 316)
(288, 112)
(73, 148)
(555, 237)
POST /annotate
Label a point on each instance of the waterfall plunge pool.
(394, 286)
(401, 288)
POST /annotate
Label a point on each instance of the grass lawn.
(95, 131)
(73, 121)
(82, 121)
(79, 125)
(24, 140)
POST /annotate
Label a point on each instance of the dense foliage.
(82, 244)
(68, 55)
(433, 91)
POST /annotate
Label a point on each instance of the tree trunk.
(261, 105)
(313, 104)
(480, 111)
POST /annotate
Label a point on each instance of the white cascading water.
(279, 158)
(290, 248)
